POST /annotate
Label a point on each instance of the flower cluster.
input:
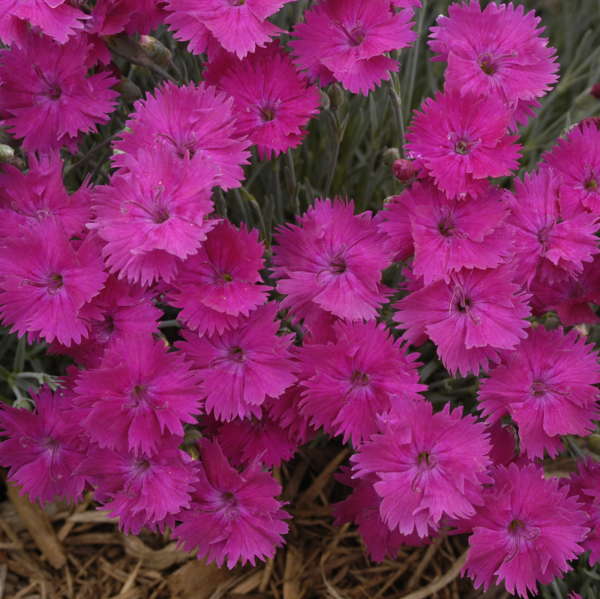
(268, 345)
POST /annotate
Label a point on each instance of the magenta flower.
(110, 17)
(221, 282)
(585, 485)
(526, 531)
(195, 123)
(145, 392)
(470, 317)
(332, 258)
(238, 25)
(272, 101)
(353, 381)
(553, 234)
(46, 280)
(428, 467)
(47, 95)
(234, 516)
(462, 140)
(496, 51)
(262, 439)
(118, 312)
(154, 217)
(39, 195)
(394, 222)
(346, 40)
(141, 490)
(285, 411)
(56, 18)
(361, 507)
(576, 159)
(242, 367)
(43, 448)
(468, 233)
(547, 386)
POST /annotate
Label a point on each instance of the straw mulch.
(78, 553)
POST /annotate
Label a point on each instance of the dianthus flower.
(576, 158)
(154, 217)
(351, 382)
(48, 96)
(31, 198)
(238, 25)
(547, 386)
(394, 222)
(56, 18)
(585, 484)
(193, 122)
(262, 439)
(428, 467)
(285, 411)
(526, 531)
(141, 490)
(469, 317)
(346, 40)
(145, 392)
(110, 17)
(43, 448)
(272, 101)
(221, 282)
(571, 298)
(496, 51)
(234, 516)
(241, 367)
(553, 234)
(45, 281)
(332, 258)
(362, 508)
(463, 140)
(467, 233)
(118, 312)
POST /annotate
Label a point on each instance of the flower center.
(338, 266)
(237, 2)
(161, 215)
(516, 526)
(141, 465)
(236, 354)
(591, 184)
(267, 113)
(226, 277)
(55, 282)
(139, 394)
(462, 147)
(359, 379)
(425, 460)
(463, 304)
(487, 64)
(538, 388)
(446, 227)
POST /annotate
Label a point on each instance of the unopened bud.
(390, 156)
(337, 97)
(156, 50)
(595, 91)
(7, 154)
(405, 170)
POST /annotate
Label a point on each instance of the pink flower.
(46, 280)
(351, 382)
(273, 103)
(526, 532)
(262, 439)
(43, 448)
(553, 235)
(39, 195)
(585, 485)
(238, 25)
(495, 51)
(285, 411)
(195, 123)
(56, 18)
(469, 233)
(362, 508)
(234, 516)
(347, 40)
(154, 217)
(333, 259)
(143, 390)
(221, 282)
(47, 95)
(394, 222)
(576, 158)
(118, 312)
(428, 467)
(242, 367)
(470, 317)
(110, 17)
(462, 140)
(141, 490)
(547, 386)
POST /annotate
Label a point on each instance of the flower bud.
(155, 50)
